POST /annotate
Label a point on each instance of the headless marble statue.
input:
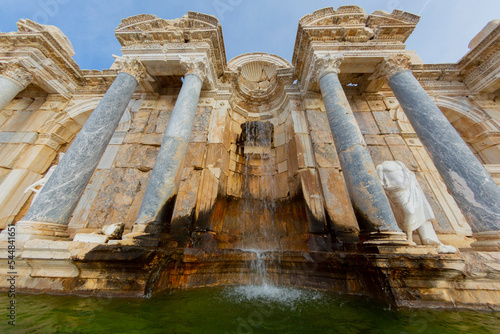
(40, 183)
(403, 190)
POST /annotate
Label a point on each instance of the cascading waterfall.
(258, 186)
(262, 239)
(259, 194)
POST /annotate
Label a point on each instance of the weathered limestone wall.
(338, 208)
(115, 193)
(28, 150)
(258, 189)
(204, 172)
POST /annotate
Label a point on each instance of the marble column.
(471, 185)
(368, 198)
(164, 180)
(13, 79)
(50, 212)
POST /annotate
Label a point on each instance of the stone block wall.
(297, 186)
(115, 192)
(338, 207)
(27, 150)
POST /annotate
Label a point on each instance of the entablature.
(350, 28)
(480, 67)
(50, 42)
(148, 33)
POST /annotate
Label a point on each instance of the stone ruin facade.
(160, 146)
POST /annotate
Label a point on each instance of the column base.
(386, 242)
(488, 241)
(386, 238)
(29, 230)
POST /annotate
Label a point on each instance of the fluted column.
(367, 195)
(163, 183)
(13, 79)
(50, 212)
(471, 185)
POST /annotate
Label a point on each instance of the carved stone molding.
(14, 70)
(325, 64)
(131, 66)
(195, 31)
(350, 28)
(392, 65)
(195, 65)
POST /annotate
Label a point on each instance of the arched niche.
(476, 127)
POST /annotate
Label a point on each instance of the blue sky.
(441, 36)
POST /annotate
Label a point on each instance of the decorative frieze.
(485, 75)
(14, 70)
(190, 31)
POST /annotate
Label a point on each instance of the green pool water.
(248, 309)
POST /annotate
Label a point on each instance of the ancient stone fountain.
(213, 168)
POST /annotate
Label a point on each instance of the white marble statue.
(403, 190)
(40, 183)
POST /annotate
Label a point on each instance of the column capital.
(391, 65)
(132, 66)
(14, 70)
(324, 64)
(195, 65)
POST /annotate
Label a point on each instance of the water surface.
(244, 309)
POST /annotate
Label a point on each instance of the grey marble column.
(474, 190)
(368, 198)
(50, 212)
(163, 183)
(13, 79)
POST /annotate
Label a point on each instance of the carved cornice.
(451, 88)
(487, 48)
(392, 65)
(325, 64)
(14, 70)
(189, 30)
(97, 82)
(132, 66)
(350, 28)
(41, 41)
(195, 65)
(485, 74)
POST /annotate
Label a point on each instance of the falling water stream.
(263, 242)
